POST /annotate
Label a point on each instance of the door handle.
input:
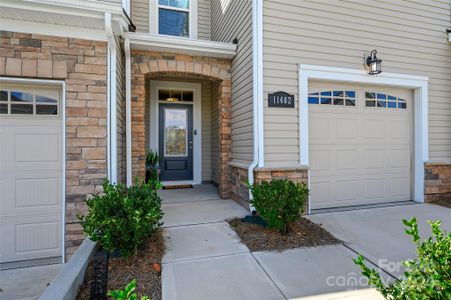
(190, 144)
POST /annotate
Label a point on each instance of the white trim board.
(197, 121)
(418, 84)
(173, 44)
(62, 85)
(53, 30)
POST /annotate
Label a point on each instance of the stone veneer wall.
(437, 183)
(239, 179)
(82, 64)
(147, 65)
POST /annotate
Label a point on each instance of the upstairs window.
(174, 17)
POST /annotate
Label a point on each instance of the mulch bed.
(302, 233)
(145, 267)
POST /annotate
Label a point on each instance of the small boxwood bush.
(428, 277)
(279, 202)
(121, 219)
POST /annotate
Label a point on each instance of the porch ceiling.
(144, 41)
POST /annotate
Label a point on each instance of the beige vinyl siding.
(410, 37)
(203, 20)
(120, 107)
(214, 132)
(229, 20)
(140, 16)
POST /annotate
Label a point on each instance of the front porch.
(181, 109)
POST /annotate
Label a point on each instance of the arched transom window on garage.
(383, 100)
(14, 102)
(336, 98)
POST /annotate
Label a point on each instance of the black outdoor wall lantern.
(374, 64)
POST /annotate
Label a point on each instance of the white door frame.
(197, 123)
(62, 85)
(419, 84)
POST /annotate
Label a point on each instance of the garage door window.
(336, 98)
(20, 103)
(382, 100)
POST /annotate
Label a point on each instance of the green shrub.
(428, 277)
(279, 202)
(121, 219)
(126, 294)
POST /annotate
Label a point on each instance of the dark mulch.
(443, 202)
(145, 267)
(302, 233)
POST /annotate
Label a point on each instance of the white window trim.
(419, 84)
(197, 123)
(62, 106)
(192, 11)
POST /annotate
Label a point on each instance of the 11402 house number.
(280, 99)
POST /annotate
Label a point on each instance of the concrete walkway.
(205, 260)
(26, 283)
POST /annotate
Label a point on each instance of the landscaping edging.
(67, 283)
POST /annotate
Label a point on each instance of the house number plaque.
(280, 99)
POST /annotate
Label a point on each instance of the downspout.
(128, 111)
(111, 105)
(257, 85)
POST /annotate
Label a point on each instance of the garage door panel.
(399, 130)
(373, 129)
(33, 193)
(374, 189)
(400, 188)
(346, 128)
(32, 148)
(364, 158)
(320, 160)
(320, 190)
(30, 237)
(37, 192)
(320, 126)
(399, 158)
(344, 189)
(373, 159)
(347, 159)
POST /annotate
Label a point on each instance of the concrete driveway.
(205, 259)
(378, 233)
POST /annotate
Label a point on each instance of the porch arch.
(150, 65)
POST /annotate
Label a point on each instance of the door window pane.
(172, 22)
(188, 96)
(176, 132)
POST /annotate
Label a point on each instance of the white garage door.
(30, 173)
(360, 145)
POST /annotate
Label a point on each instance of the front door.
(176, 142)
